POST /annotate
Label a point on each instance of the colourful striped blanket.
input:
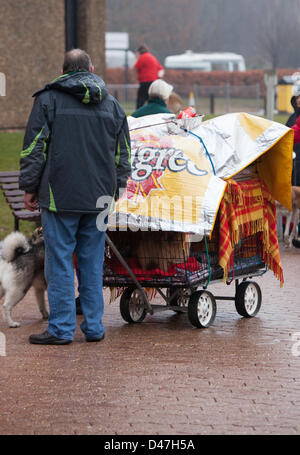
(246, 209)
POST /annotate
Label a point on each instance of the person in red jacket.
(148, 70)
(296, 129)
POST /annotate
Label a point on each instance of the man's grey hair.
(77, 60)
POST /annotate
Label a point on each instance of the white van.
(222, 61)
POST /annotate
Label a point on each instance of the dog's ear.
(37, 235)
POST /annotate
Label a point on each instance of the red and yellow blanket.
(246, 209)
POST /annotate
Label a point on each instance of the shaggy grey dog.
(22, 266)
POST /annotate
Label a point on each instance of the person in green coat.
(159, 92)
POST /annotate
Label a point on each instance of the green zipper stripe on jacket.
(67, 74)
(118, 154)
(128, 150)
(52, 206)
(86, 98)
(45, 147)
(29, 149)
(100, 91)
(60, 77)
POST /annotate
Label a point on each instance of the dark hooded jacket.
(296, 164)
(76, 146)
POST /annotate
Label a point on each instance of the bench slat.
(9, 173)
(9, 180)
(17, 205)
(10, 186)
(13, 199)
(9, 193)
(9, 183)
(26, 214)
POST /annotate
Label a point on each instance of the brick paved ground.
(162, 376)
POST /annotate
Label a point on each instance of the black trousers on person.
(142, 95)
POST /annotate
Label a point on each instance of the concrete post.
(270, 79)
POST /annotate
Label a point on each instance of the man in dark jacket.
(76, 157)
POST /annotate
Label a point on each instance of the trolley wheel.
(202, 309)
(248, 299)
(180, 299)
(132, 306)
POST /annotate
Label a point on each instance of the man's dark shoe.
(91, 339)
(47, 338)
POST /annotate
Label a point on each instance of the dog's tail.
(14, 245)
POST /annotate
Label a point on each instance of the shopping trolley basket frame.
(183, 295)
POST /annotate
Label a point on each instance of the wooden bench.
(9, 183)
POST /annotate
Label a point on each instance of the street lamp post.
(71, 24)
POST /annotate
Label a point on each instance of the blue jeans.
(64, 234)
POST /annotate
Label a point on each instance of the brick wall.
(32, 46)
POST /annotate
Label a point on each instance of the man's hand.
(30, 201)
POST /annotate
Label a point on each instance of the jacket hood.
(85, 86)
(293, 102)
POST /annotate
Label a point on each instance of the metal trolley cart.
(180, 272)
